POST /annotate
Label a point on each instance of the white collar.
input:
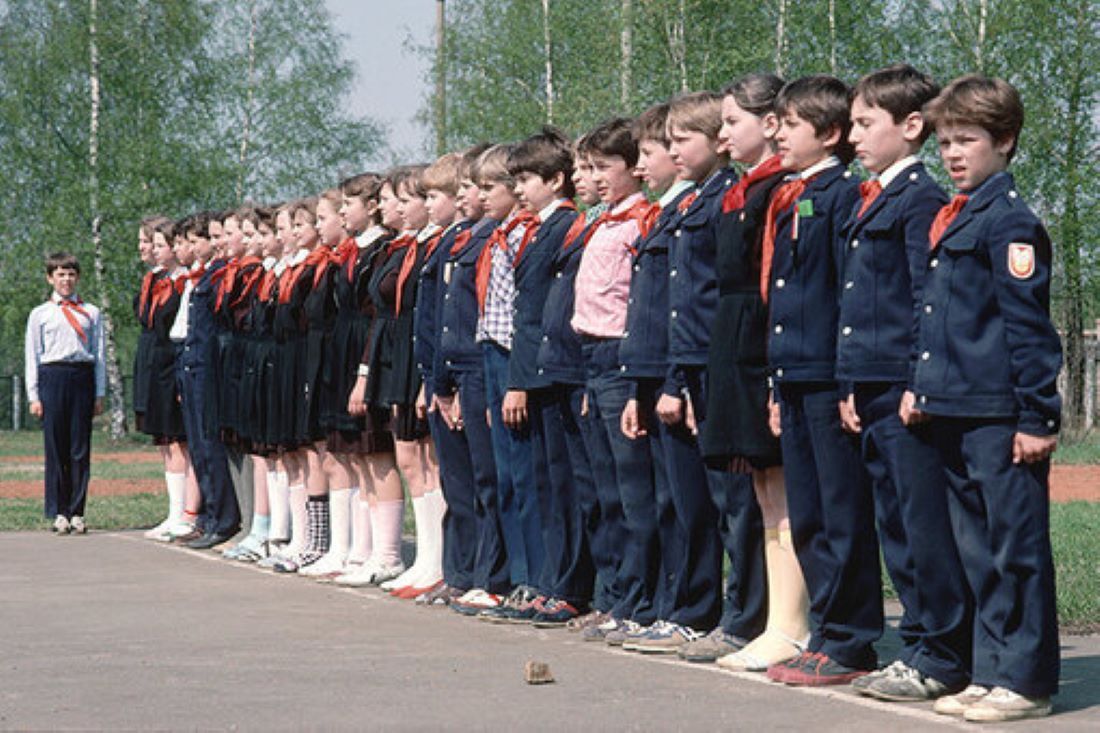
(370, 236)
(673, 191)
(426, 233)
(820, 166)
(298, 257)
(269, 262)
(547, 211)
(626, 203)
(887, 176)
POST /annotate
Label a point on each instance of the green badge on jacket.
(806, 208)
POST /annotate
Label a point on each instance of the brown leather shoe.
(183, 539)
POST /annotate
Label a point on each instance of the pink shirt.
(603, 278)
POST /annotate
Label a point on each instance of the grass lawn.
(29, 443)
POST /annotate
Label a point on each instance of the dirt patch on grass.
(96, 487)
(136, 456)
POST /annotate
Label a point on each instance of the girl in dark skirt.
(140, 382)
(305, 315)
(362, 442)
(163, 418)
(741, 434)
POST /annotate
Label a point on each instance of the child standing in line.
(986, 372)
(883, 282)
(66, 382)
(828, 490)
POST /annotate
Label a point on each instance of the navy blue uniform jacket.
(199, 344)
(533, 275)
(805, 280)
(458, 349)
(987, 346)
(884, 278)
(427, 320)
(643, 352)
(559, 357)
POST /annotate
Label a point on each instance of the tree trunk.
(548, 56)
(979, 48)
(440, 77)
(114, 374)
(250, 92)
(832, 37)
(1071, 233)
(780, 36)
(626, 50)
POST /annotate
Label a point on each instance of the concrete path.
(110, 631)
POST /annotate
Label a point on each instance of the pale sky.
(390, 84)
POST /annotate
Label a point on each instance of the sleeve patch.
(1021, 260)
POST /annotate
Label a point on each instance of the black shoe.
(208, 540)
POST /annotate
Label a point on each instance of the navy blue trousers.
(631, 471)
(456, 475)
(220, 513)
(569, 572)
(516, 488)
(491, 570)
(1001, 516)
(67, 394)
(832, 524)
(718, 511)
(914, 529)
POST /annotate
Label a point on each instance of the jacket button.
(622, 368)
(924, 399)
(927, 309)
(779, 372)
(741, 217)
(1050, 423)
(847, 330)
(626, 334)
(780, 283)
(672, 273)
(779, 328)
(545, 339)
(674, 314)
(557, 275)
(637, 268)
(450, 363)
(855, 244)
(934, 263)
(849, 285)
(541, 370)
(630, 301)
(677, 233)
(925, 356)
(446, 296)
(445, 329)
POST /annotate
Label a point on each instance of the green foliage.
(175, 86)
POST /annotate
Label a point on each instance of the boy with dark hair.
(986, 371)
(883, 280)
(542, 167)
(828, 490)
(66, 381)
(602, 289)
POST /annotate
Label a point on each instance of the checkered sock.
(318, 537)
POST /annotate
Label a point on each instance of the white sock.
(299, 520)
(386, 519)
(412, 576)
(279, 500)
(360, 527)
(177, 487)
(339, 506)
(437, 506)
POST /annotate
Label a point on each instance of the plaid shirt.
(495, 324)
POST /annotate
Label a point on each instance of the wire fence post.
(16, 402)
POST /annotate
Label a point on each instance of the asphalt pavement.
(110, 631)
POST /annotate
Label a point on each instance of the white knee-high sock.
(278, 498)
(299, 519)
(177, 488)
(411, 577)
(360, 528)
(339, 506)
(386, 519)
(437, 507)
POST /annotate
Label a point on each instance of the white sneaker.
(958, 703)
(1002, 705)
(359, 577)
(325, 566)
(77, 525)
(178, 529)
(61, 525)
(159, 531)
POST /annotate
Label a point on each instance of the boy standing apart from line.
(66, 382)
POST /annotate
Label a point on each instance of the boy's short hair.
(167, 228)
(266, 216)
(900, 89)
(248, 213)
(198, 224)
(412, 180)
(545, 154)
(755, 93)
(149, 223)
(469, 158)
(183, 226)
(652, 125)
(696, 112)
(492, 165)
(396, 176)
(62, 261)
(989, 103)
(825, 102)
(613, 138)
(442, 175)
